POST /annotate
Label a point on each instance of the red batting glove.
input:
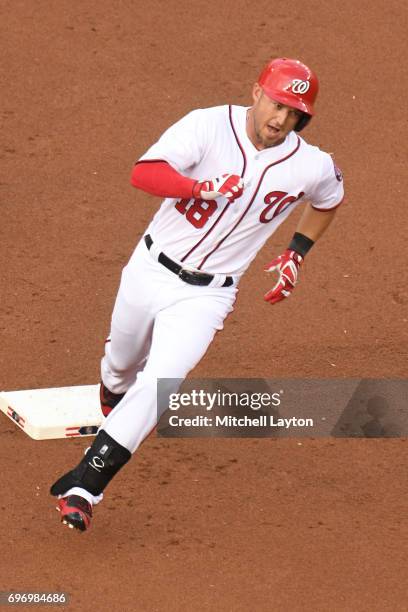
(230, 186)
(287, 266)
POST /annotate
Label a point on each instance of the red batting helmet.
(292, 83)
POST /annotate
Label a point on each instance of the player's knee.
(166, 369)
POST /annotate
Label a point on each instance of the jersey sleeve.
(328, 191)
(183, 144)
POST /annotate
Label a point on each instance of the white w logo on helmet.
(299, 86)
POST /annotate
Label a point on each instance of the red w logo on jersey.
(277, 202)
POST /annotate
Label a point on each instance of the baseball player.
(229, 176)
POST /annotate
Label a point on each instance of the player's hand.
(230, 186)
(287, 266)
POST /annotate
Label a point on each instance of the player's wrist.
(301, 244)
(196, 190)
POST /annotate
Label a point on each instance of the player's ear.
(256, 92)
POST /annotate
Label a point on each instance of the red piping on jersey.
(150, 161)
(228, 205)
(205, 235)
(251, 202)
(237, 139)
(328, 209)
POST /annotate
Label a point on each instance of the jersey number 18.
(198, 212)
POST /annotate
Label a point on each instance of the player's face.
(269, 122)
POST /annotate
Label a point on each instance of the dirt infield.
(225, 525)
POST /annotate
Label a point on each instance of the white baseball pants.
(161, 328)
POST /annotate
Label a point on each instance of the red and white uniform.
(161, 326)
(208, 142)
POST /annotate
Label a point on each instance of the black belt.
(188, 276)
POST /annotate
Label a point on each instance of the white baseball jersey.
(215, 236)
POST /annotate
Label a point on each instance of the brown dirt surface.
(225, 525)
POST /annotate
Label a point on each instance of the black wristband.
(301, 244)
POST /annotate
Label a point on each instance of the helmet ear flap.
(302, 122)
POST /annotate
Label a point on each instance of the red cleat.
(108, 399)
(76, 512)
